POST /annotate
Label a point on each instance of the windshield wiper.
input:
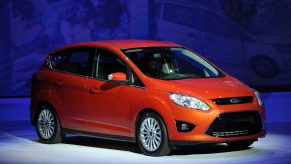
(179, 77)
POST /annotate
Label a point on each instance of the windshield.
(171, 63)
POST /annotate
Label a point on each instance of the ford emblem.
(235, 100)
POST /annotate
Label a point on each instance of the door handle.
(93, 90)
(58, 83)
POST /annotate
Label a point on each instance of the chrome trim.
(230, 133)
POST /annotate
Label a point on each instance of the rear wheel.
(240, 144)
(48, 127)
(152, 135)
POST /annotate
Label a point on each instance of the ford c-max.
(154, 93)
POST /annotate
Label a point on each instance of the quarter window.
(58, 60)
(135, 80)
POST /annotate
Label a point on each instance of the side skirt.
(101, 135)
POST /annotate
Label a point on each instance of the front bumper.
(217, 140)
(250, 126)
(236, 124)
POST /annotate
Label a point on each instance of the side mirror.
(118, 77)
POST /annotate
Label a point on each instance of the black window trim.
(130, 71)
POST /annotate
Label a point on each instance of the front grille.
(236, 124)
(233, 100)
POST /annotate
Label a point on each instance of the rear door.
(69, 85)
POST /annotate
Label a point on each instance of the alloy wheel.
(150, 134)
(46, 124)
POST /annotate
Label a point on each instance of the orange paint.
(86, 103)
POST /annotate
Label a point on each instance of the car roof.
(121, 44)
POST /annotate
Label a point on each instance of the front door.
(108, 104)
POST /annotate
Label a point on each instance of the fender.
(158, 103)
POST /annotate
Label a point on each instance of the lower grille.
(236, 124)
(230, 133)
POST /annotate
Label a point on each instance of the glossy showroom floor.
(19, 143)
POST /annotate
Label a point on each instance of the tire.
(152, 129)
(48, 126)
(240, 144)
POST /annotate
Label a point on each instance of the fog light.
(184, 126)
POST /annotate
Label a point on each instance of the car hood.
(206, 88)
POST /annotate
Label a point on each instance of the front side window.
(107, 63)
(170, 63)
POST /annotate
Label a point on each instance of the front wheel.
(48, 127)
(152, 135)
(240, 144)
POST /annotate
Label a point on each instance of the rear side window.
(76, 61)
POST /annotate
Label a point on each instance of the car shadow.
(133, 147)
(13, 128)
(209, 148)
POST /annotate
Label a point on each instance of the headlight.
(188, 101)
(260, 102)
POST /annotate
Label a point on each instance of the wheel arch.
(144, 111)
(156, 104)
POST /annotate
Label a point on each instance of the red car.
(155, 93)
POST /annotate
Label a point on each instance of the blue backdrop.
(250, 39)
